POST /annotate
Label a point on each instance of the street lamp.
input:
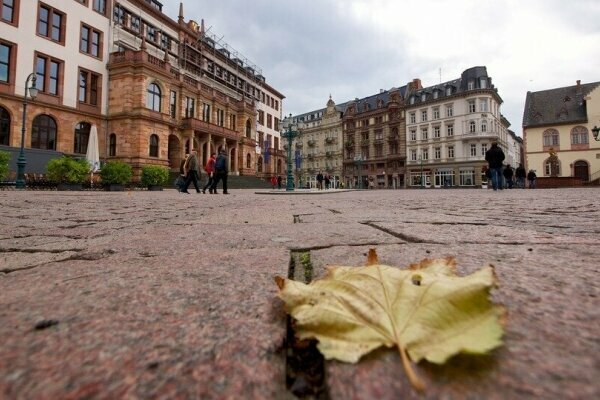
(421, 162)
(595, 132)
(359, 159)
(289, 134)
(21, 162)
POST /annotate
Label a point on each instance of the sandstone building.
(561, 120)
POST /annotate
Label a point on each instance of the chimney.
(578, 83)
(417, 84)
(180, 19)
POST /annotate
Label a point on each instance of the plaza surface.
(160, 295)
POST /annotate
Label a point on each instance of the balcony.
(312, 142)
(205, 127)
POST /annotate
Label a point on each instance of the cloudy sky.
(309, 49)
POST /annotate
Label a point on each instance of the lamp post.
(289, 134)
(596, 132)
(359, 159)
(421, 162)
(21, 162)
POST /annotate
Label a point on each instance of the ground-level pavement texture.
(139, 295)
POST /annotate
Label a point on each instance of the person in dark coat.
(508, 176)
(320, 180)
(531, 177)
(221, 171)
(279, 179)
(520, 175)
(494, 156)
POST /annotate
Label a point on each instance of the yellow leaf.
(425, 311)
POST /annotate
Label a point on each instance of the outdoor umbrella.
(93, 155)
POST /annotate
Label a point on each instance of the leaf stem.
(412, 376)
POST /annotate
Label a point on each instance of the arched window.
(112, 145)
(548, 168)
(82, 136)
(153, 97)
(43, 133)
(472, 126)
(248, 129)
(579, 135)
(4, 127)
(248, 160)
(153, 146)
(551, 137)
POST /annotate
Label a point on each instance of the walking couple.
(216, 169)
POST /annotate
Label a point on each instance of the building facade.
(374, 141)
(318, 146)
(154, 88)
(449, 128)
(64, 45)
(270, 154)
(560, 121)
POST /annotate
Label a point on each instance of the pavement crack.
(32, 251)
(402, 236)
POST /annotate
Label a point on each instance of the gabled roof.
(565, 105)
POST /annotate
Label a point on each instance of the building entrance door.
(581, 170)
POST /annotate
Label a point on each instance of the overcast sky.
(309, 49)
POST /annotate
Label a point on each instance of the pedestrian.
(520, 175)
(273, 182)
(192, 170)
(279, 179)
(508, 176)
(221, 171)
(327, 180)
(320, 181)
(210, 172)
(494, 156)
(180, 181)
(531, 177)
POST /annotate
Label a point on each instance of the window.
(551, 137)
(100, 6)
(379, 150)
(6, 56)
(436, 112)
(412, 118)
(413, 135)
(153, 97)
(9, 8)
(467, 177)
(276, 123)
(482, 83)
(112, 145)
(190, 106)
(248, 129)
(206, 112)
(450, 151)
(232, 122)
(548, 168)
(153, 146)
(435, 94)
(424, 134)
(471, 85)
(150, 33)
(472, 127)
(413, 155)
(90, 42)
(173, 104)
(423, 115)
(484, 126)
(436, 132)
(579, 135)
(51, 23)
(484, 149)
(220, 117)
(425, 154)
(450, 130)
(89, 84)
(165, 42)
(135, 23)
(119, 16)
(269, 121)
(423, 97)
(261, 117)
(473, 150)
(378, 134)
(483, 105)
(4, 127)
(82, 136)
(449, 110)
(437, 153)
(48, 73)
(43, 133)
(448, 90)
(471, 106)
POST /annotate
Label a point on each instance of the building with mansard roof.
(560, 121)
(449, 128)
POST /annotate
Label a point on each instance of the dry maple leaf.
(426, 311)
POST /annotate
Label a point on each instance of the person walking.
(210, 172)
(180, 181)
(221, 172)
(273, 182)
(520, 175)
(508, 176)
(320, 180)
(192, 169)
(494, 156)
(531, 177)
(279, 179)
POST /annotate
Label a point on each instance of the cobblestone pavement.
(160, 295)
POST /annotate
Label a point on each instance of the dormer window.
(482, 83)
(471, 85)
(435, 94)
(412, 99)
(448, 90)
(423, 96)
